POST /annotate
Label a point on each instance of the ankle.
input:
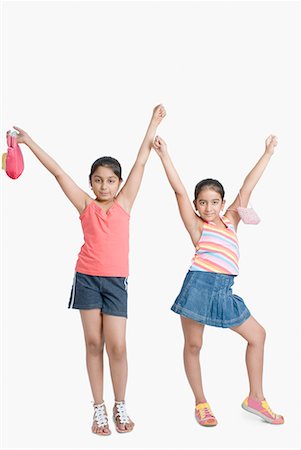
(200, 400)
(258, 397)
(98, 402)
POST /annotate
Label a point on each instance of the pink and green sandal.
(262, 409)
(204, 415)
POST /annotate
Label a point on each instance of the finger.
(18, 129)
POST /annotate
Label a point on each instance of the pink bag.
(14, 163)
(248, 215)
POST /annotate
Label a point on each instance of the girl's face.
(105, 184)
(209, 204)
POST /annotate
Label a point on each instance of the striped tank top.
(217, 250)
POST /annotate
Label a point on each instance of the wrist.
(154, 122)
(269, 152)
(28, 141)
(164, 155)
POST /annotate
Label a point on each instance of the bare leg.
(193, 334)
(255, 334)
(114, 329)
(92, 325)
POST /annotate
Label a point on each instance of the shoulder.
(231, 218)
(123, 201)
(121, 206)
(196, 233)
(87, 202)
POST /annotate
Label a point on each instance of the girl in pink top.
(100, 285)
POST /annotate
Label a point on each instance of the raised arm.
(251, 180)
(191, 220)
(74, 193)
(128, 193)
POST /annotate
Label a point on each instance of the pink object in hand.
(14, 164)
(248, 215)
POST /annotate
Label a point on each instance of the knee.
(193, 347)
(262, 335)
(116, 351)
(94, 347)
(259, 337)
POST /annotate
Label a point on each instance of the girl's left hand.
(158, 114)
(22, 137)
(160, 146)
(270, 144)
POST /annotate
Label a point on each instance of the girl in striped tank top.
(206, 296)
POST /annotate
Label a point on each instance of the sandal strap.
(122, 413)
(100, 415)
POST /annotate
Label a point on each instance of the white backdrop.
(82, 78)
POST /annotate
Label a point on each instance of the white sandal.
(101, 418)
(123, 417)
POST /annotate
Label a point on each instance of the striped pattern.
(217, 250)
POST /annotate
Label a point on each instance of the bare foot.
(100, 424)
(122, 421)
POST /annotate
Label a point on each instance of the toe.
(211, 422)
(121, 427)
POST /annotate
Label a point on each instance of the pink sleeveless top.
(106, 235)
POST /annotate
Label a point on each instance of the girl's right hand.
(159, 113)
(160, 146)
(270, 144)
(22, 137)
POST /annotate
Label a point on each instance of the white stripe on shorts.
(73, 291)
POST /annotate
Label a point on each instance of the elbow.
(58, 173)
(179, 193)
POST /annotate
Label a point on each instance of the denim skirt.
(207, 298)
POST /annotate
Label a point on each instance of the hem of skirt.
(208, 321)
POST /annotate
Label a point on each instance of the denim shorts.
(109, 294)
(207, 298)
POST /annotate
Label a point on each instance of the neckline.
(224, 220)
(102, 211)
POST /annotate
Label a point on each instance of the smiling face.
(209, 204)
(105, 184)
